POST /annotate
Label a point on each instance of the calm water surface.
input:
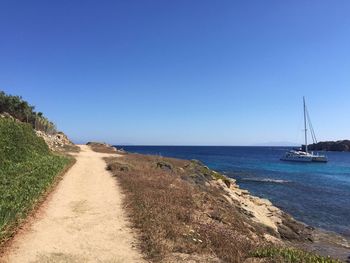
(315, 193)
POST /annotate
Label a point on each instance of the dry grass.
(101, 147)
(177, 213)
(68, 149)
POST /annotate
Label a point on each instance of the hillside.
(27, 170)
(17, 109)
(339, 146)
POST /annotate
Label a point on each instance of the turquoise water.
(315, 193)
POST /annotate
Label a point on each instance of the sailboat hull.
(300, 156)
(303, 159)
(320, 159)
(296, 160)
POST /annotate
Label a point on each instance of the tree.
(23, 111)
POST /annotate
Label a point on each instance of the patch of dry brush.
(102, 147)
(180, 215)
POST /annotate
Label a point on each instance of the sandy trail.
(82, 221)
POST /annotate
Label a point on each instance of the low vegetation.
(182, 216)
(290, 255)
(177, 215)
(27, 170)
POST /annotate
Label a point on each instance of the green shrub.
(291, 255)
(18, 142)
(27, 170)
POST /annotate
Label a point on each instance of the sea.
(317, 194)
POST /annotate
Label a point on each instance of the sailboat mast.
(305, 129)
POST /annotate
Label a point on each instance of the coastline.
(291, 231)
(281, 229)
(316, 194)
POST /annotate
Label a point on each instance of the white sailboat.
(305, 156)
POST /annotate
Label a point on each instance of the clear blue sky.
(188, 72)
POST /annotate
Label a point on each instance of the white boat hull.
(297, 159)
(320, 159)
(300, 156)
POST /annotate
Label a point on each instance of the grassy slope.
(181, 217)
(27, 170)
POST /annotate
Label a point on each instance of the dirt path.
(83, 220)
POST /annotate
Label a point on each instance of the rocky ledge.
(262, 211)
(57, 142)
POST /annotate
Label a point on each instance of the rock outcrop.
(264, 212)
(55, 141)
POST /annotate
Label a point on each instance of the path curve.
(82, 221)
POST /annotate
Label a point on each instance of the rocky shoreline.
(286, 229)
(264, 212)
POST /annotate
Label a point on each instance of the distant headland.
(339, 146)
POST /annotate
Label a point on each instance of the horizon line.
(182, 145)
